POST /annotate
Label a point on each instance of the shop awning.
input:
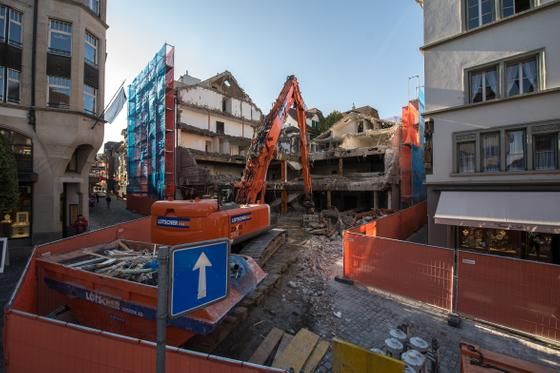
(522, 211)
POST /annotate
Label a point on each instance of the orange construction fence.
(373, 257)
(45, 345)
(518, 294)
(515, 293)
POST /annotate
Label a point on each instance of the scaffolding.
(151, 123)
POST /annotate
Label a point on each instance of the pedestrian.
(97, 198)
(81, 224)
(108, 200)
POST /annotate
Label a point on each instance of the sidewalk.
(100, 216)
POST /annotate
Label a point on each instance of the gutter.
(32, 116)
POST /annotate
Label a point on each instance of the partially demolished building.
(215, 125)
(354, 164)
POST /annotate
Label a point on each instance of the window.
(3, 13)
(516, 150)
(90, 49)
(480, 12)
(220, 128)
(546, 151)
(90, 99)
(466, 153)
(522, 77)
(361, 126)
(93, 5)
(493, 241)
(511, 7)
(60, 37)
(2, 72)
(484, 84)
(13, 85)
(14, 27)
(10, 25)
(208, 146)
(490, 152)
(58, 92)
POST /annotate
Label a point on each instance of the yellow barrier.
(349, 358)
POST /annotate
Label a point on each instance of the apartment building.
(52, 63)
(492, 78)
(216, 120)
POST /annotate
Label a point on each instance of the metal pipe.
(161, 337)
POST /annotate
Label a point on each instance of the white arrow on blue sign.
(199, 275)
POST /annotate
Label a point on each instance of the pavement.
(101, 216)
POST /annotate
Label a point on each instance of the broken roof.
(365, 110)
(224, 83)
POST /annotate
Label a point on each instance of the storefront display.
(525, 245)
(17, 223)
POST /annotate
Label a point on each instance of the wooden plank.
(286, 339)
(316, 357)
(268, 345)
(298, 350)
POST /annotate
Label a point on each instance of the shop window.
(490, 152)
(545, 151)
(484, 84)
(492, 241)
(516, 150)
(540, 246)
(17, 223)
(466, 157)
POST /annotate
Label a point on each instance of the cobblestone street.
(102, 216)
(367, 316)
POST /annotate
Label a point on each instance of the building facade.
(52, 64)
(215, 124)
(492, 78)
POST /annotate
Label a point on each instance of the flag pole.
(108, 105)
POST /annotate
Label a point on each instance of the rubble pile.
(331, 223)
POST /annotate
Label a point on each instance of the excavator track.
(262, 247)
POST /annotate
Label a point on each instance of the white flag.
(116, 107)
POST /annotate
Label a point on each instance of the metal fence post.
(162, 305)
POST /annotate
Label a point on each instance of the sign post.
(190, 277)
(161, 317)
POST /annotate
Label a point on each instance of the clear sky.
(342, 51)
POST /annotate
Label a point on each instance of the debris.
(292, 284)
(338, 314)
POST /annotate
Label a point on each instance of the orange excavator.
(184, 221)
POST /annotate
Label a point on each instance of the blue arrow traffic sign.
(199, 275)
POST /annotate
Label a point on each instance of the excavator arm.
(252, 187)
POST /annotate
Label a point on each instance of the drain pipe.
(32, 116)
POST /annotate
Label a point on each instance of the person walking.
(108, 200)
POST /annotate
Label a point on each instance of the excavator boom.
(252, 187)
